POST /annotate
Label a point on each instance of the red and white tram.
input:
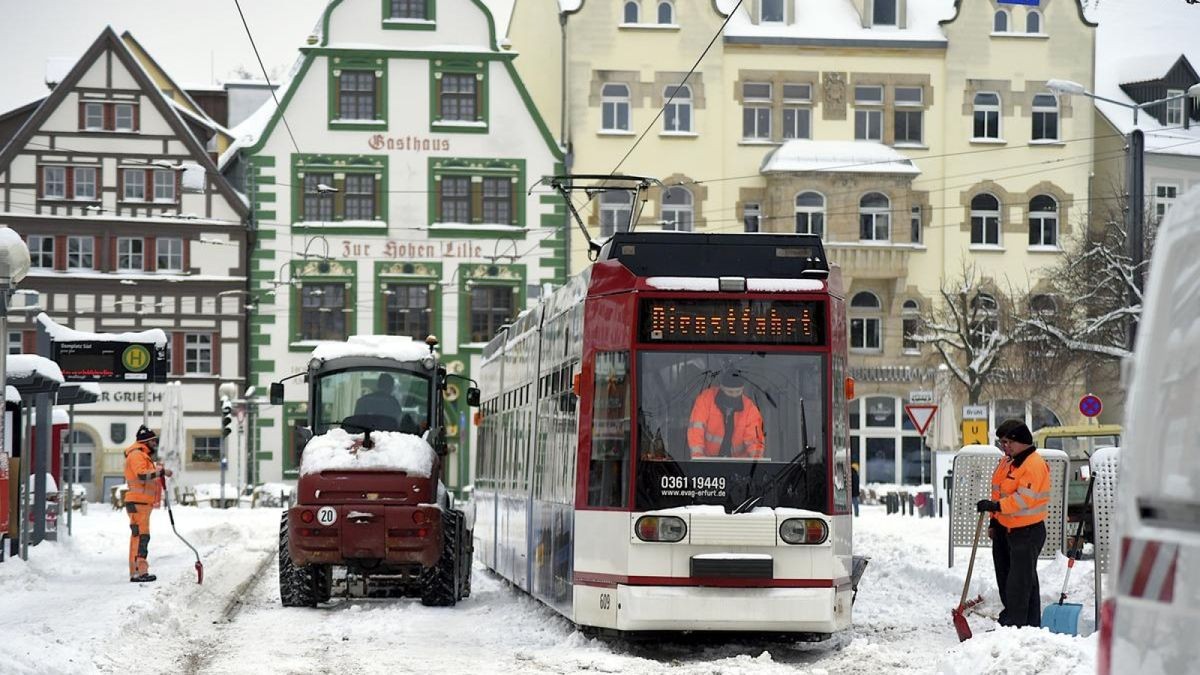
(600, 491)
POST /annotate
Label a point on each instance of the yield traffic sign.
(920, 415)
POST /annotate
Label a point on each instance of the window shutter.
(96, 244)
(187, 254)
(179, 188)
(437, 201)
(339, 198)
(377, 113)
(176, 353)
(112, 254)
(120, 184)
(151, 256)
(476, 195)
(216, 353)
(60, 252)
(137, 117)
(82, 119)
(437, 98)
(28, 342)
(69, 178)
(379, 190)
(148, 187)
(40, 176)
(110, 117)
(514, 209)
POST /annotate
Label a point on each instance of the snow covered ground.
(70, 609)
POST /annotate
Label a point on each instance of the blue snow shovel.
(1063, 617)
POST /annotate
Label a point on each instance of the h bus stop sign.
(1090, 405)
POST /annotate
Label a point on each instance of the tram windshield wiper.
(800, 460)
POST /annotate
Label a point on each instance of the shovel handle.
(971, 565)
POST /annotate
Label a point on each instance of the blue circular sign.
(1090, 405)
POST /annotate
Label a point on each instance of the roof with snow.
(338, 450)
(35, 372)
(837, 21)
(837, 156)
(61, 333)
(11, 395)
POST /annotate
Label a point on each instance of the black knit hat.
(145, 434)
(1014, 430)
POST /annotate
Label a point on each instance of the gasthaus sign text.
(95, 361)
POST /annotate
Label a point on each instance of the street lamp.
(1135, 179)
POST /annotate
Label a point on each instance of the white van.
(1150, 622)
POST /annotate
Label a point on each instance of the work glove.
(985, 505)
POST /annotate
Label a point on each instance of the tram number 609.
(605, 601)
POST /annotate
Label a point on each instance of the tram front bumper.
(672, 608)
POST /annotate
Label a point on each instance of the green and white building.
(391, 195)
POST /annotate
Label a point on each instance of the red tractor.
(369, 498)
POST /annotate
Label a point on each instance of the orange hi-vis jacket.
(141, 474)
(1023, 491)
(706, 428)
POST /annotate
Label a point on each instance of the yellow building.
(915, 136)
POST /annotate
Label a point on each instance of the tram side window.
(609, 465)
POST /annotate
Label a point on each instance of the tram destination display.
(102, 361)
(772, 322)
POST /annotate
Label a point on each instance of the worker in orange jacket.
(725, 422)
(142, 476)
(1020, 498)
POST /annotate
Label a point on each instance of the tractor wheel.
(442, 583)
(297, 585)
(468, 550)
(322, 582)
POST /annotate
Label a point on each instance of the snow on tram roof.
(395, 347)
(712, 284)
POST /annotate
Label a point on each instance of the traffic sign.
(920, 396)
(975, 432)
(920, 415)
(975, 412)
(1090, 405)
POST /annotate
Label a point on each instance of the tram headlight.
(804, 531)
(660, 528)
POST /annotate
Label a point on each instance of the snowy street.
(70, 609)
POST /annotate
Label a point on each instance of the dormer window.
(631, 12)
(1175, 107)
(123, 116)
(770, 11)
(93, 116)
(108, 115)
(1000, 22)
(883, 13)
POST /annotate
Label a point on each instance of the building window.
(752, 216)
(1033, 22)
(677, 209)
(987, 115)
(164, 186)
(910, 324)
(356, 95)
(14, 342)
(874, 217)
(677, 115)
(909, 115)
(797, 111)
(456, 199)
(1175, 107)
(868, 113)
(864, 330)
(756, 110)
(360, 196)
(459, 95)
(770, 11)
(985, 325)
(135, 185)
(915, 226)
(1043, 221)
(632, 9)
(318, 197)
(407, 9)
(810, 213)
(83, 448)
(1043, 304)
(883, 13)
(168, 253)
(206, 449)
(41, 251)
(1000, 21)
(1045, 117)
(616, 208)
(130, 254)
(985, 220)
(323, 311)
(498, 201)
(408, 310)
(81, 253)
(1164, 198)
(54, 182)
(666, 13)
(85, 182)
(123, 116)
(197, 353)
(614, 107)
(491, 308)
(93, 116)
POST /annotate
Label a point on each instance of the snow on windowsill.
(679, 134)
(466, 124)
(911, 146)
(1044, 249)
(649, 26)
(613, 132)
(989, 141)
(393, 21)
(483, 227)
(1025, 36)
(987, 248)
(358, 122)
(758, 141)
(335, 224)
(1054, 142)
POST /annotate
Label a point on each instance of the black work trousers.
(1015, 554)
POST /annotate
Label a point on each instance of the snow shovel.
(1063, 617)
(167, 503)
(958, 614)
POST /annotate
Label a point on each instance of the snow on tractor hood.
(339, 450)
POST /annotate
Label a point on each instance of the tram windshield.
(378, 399)
(721, 428)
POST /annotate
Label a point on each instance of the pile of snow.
(11, 395)
(27, 365)
(837, 156)
(338, 450)
(60, 333)
(394, 347)
(753, 284)
(210, 491)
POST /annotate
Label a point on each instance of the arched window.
(614, 107)
(984, 320)
(1043, 221)
(810, 213)
(1000, 22)
(874, 217)
(616, 206)
(677, 115)
(987, 115)
(632, 10)
(1043, 304)
(666, 13)
(85, 449)
(677, 209)
(1045, 117)
(865, 318)
(910, 325)
(1033, 21)
(985, 219)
